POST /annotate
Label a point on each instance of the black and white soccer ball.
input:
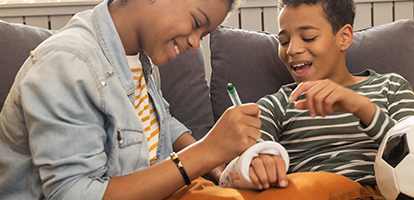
(394, 163)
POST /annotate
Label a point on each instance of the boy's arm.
(375, 123)
(326, 96)
(269, 170)
(399, 106)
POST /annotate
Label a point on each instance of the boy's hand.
(326, 96)
(268, 171)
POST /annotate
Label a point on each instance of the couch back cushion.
(385, 48)
(185, 87)
(16, 42)
(249, 59)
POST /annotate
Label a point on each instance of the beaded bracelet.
(180, 166)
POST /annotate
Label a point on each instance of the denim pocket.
(130, 154)
(129, 137)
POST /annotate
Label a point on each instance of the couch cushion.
(384, 48)
(16, 42)
(250, 59)
(302, 185)
(184, 86)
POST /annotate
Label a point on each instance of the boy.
(355, 111)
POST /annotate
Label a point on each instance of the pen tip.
(230, 86)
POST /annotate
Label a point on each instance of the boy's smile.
(308, 46)
(301, 69)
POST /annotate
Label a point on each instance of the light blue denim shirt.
(69, 123)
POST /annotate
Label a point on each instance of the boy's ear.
(345, 35)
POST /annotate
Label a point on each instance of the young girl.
(76, 125)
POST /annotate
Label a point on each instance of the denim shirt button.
(110, 73)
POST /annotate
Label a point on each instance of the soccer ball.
(394, 163)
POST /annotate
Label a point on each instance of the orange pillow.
(303, 185)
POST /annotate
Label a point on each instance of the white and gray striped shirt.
(337, 143)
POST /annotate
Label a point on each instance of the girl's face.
(308, 46)
(178, 25)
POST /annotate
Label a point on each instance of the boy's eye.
(283, 43)
(309, 39)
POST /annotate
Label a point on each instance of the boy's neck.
(348, 79)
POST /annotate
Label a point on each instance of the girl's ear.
(345, 36)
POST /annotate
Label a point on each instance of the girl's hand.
(236, 130)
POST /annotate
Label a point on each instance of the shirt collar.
(111, 45)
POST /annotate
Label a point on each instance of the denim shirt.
(69, 123)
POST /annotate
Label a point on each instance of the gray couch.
(248, 59)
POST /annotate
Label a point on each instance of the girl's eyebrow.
(205, 15)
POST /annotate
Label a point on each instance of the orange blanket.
(304, 185)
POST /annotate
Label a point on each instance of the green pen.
(236, 99)
(233, 94)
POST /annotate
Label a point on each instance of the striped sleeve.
(394, 98)
(272, 109)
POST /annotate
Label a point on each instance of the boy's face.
(308, 46)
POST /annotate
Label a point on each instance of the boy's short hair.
(337, 12)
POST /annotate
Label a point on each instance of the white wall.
(253, 15)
